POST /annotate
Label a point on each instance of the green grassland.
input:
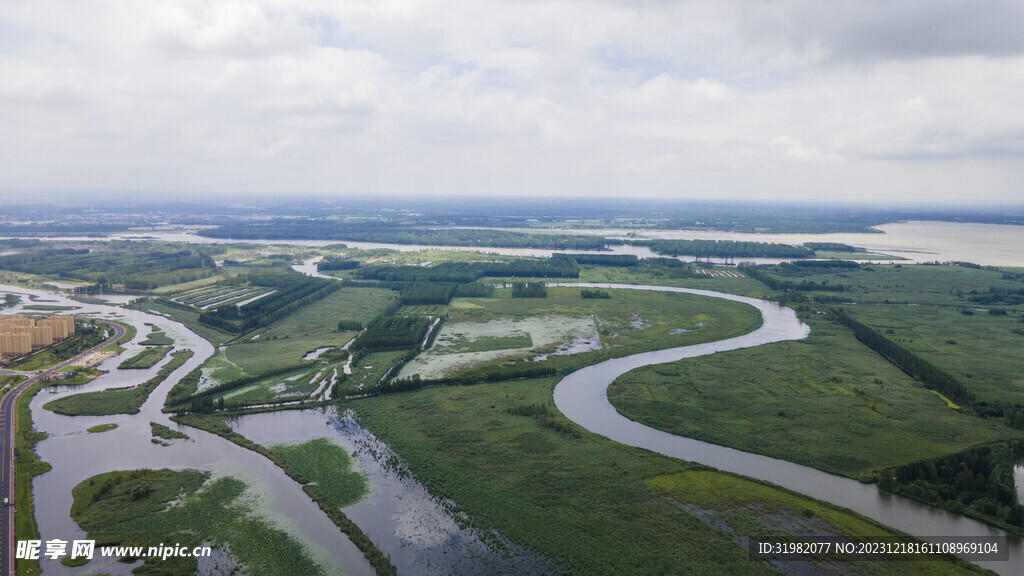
(328, 466)
(939, 313)
(134, 508)
(754, 509)
(743, 286)
(585, 502)
(314, 326)
(101, 428)
(368, 371)
(630, 321)
(117, 400)
(980, 350)
(292, 385)
(147, 358)
(779, 399)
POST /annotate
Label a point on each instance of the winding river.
(582, 397)
(76, 455)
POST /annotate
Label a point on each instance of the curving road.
(7, 430)
(582, 396)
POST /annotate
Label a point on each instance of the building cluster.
(20, 335)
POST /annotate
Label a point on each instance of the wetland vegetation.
(144, 507)
(496, 446)
(117, 400)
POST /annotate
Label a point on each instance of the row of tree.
(978, 480)
(335, 263)
(529, 290)
(758, 273)
(726, 249)
(133, 266)
(331, 229)
(393, 333)
(293, 291)
(558, 266)
(421, 293)
(932, 377)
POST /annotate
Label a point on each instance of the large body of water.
(915, 241)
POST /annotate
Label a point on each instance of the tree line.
(294, 290)
(558, 266)
(915, 366)
(726, 249)
(978, 480)
(757, 273)
(331, 229)
(134, 266)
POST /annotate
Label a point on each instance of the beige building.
(19, 335)
(15, 344)
(61, 326)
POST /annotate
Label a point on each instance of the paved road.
(7, 429)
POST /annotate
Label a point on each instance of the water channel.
(582, 397)
(397, 505)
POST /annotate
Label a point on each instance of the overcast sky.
(904, 100)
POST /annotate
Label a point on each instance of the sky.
(846, 100)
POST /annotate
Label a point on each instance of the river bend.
(583, 397)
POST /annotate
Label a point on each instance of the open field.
(285, 342)
(962, 319)
(581, 500)
(778, 400)
(981, 350)
(565, 329)
(134, 508)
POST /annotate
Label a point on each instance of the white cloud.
(566, 97)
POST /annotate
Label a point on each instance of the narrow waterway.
(76, 455)
(422, 533)
(582, 397)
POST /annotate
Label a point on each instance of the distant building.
(19, 334)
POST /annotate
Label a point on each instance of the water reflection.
(75, 455)
(582, 397)
(422, 534)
